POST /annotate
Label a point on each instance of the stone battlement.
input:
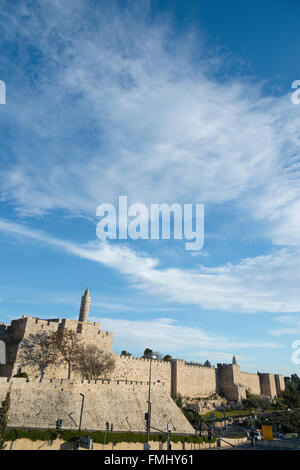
(197, 366)
(177, 376)
(56, 382)
(145, 360)
(38, 404)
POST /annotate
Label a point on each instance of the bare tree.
(37, 350)
(94, 363)
(69, 346)
(148, 353)
(158, 355)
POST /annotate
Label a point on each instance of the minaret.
(85, 306)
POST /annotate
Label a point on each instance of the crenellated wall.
(226, 381)
(250, 382)
(178, 376)
(192, 380)
(234, 383)
(39, 403)
(134, 368)
(26, 329)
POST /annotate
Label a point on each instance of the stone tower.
(85, 306)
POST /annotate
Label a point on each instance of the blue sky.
(166, 103)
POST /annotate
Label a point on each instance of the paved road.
(276, 444)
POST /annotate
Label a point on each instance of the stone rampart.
(226, 384)
(267, 384)
(26, 329)
(192, 380)
(178, 376)
(250, 382)
(134, 368)
(39, 403)
(279, 383)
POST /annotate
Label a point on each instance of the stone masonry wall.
(26, 328)
(268, 385)
(41, 403)
(280, 385)
(192, 380)
(250, 382)
(226, 382)
(133, 368)
(178, 376)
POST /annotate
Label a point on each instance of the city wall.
(234, 384)
(39, 403)
(225, 378)
(268, 384)
(134, 368)
(250, 382)
(192, 380)
(23, 331)
(178, 376)
(279, 383)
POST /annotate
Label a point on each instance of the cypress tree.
(4, 419)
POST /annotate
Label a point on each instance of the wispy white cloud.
(260, 284)
(166, 334)
(289, 325)
(220, 356)
(109, 115)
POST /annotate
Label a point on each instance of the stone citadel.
(120, 397)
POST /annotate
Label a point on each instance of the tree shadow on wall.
(37, 351)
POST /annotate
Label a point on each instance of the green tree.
(125, 353)
(291, 394)
(147, 352)
(296, 380)
(256, 401)
(4, 419)
(22, 375)
(168, 357)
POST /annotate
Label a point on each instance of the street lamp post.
(196, 421)
(149, 400)
(81, 412)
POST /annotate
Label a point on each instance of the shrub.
(23, 375)
(32, 434)
(98, 436)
